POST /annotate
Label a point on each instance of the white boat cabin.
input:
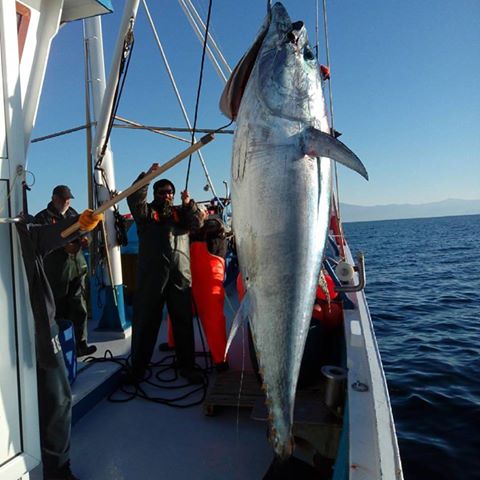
(26, 32)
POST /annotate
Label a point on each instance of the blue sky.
(405, 77)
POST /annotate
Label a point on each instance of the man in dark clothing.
(54, 395)
(66, 270)
(163, 274)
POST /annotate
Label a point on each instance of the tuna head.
(287, 76)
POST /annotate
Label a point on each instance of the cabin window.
(23, 19)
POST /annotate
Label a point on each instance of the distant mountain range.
(445, 208)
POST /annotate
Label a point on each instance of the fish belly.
(280, 204)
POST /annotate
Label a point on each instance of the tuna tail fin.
(320, 144)
(241, 317)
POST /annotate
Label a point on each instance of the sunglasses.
(164, 192)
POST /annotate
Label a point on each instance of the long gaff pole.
(144, 181)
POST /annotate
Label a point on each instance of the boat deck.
(224, 437)
(144, 440)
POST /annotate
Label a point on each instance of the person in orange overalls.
(208, 248)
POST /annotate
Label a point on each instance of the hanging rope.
(199, 89)
(330, 91)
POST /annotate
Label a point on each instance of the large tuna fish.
(281, 192)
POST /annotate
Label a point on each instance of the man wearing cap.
(163, 274)
(66, 270)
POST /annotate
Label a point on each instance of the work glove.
(89, 220)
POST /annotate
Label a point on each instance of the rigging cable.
(128, 44)
(199, 88)
(177, 93)
(316, 29)
(332, 126)
(62, 132)
(210, 35)
(327, 51)
(189, 13)
(161, 130)
(158, 130)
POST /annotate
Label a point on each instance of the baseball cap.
(62, 191)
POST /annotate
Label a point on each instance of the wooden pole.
(144, 181)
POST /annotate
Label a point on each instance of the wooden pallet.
(310, 408)
(316, 427)
(228, 389)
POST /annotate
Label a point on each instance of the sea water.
(423, 290)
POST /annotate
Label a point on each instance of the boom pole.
(112, 317)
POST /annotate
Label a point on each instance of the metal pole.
(103, 97)
(113, 316)
(88, 134)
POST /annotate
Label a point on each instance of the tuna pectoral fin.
(240, 317)
(319, 144)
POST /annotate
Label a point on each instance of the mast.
(112, 316)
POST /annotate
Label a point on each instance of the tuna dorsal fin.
(241, 317)
(320, 144)
(236, 84)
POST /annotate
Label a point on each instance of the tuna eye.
(297, 25)
(291, 37)
(308, 54)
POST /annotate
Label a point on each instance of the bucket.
(335, 385)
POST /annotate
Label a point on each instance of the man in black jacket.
(54, 395)
(66, 270)
(163, 274)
